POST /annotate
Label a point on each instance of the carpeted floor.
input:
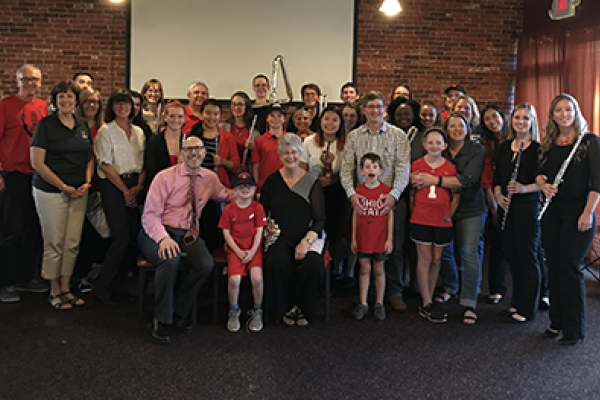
(97, 352)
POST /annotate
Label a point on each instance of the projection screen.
(224, 43)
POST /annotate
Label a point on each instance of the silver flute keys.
(513, 177)
(561, 172)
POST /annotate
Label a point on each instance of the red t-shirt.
(371, 228)
(240, 134)
(445, 114)
(190, 121)
(487, 178)
(432, 204)
(265, 154)
(242, 222)
(18, 119)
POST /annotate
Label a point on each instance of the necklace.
(565, 140)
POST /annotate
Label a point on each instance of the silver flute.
(513, 177)
(561, 172)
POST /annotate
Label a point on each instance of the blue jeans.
(467, 250)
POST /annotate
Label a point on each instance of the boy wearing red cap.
(242, 223)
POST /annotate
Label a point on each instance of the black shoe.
(160, 333)
(105, 299)
(568, 342)
(550, 334)
(183, 324)
(544, 304)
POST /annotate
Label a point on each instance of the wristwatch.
(310, 242)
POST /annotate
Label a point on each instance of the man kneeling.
(170, 237)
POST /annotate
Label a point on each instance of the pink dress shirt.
(168, 204)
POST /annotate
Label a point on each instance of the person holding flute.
(569, 177)
(322, 156)
(241, 125)
(518, 196)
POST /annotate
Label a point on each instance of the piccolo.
(513, 177)
(561, 172)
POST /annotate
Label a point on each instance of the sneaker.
(84, 285)
(433, 313)
(425, 311)
(33, 286)
(9, 295)
(397, 303)
(379, 311)
(437, 315)
(255, 323)
(360, 311)
(233, 322)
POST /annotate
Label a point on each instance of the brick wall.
(63, 37)
(436, 42)
(429, 45)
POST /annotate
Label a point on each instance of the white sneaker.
(255, 323)
(233, 322)
(9, 295)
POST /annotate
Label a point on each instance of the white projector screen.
(225, 43)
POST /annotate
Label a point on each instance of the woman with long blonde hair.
(518, 208)
(569, 222)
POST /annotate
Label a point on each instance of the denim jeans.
(467, 250)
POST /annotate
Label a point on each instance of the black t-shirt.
(67, 151)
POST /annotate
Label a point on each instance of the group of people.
(389, 186)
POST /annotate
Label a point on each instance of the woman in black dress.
(521, 231)
(569, 222)
(293, 264)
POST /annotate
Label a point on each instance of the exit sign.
(562, 9)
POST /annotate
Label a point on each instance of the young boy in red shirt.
(372, 235)
(242, 223)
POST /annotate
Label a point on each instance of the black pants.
(565, 249)
(91, 250)
(21, 244)
(497, 260)
(521, 239)
(289, 282)
(195, 263)
(124, 223)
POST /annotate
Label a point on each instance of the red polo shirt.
(266, 156)
(190, 121)
(18, 119)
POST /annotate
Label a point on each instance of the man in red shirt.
(197, 94)
(20, 233)
(265, 157)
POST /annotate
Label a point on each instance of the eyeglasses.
(27, 79)
(189, 149)
(310, 94)
(375, 107)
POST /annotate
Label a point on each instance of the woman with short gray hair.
(293, 263)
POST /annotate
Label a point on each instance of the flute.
(513, 177)
(245, 155)
(326, 170)
(561, 172)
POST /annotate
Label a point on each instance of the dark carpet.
(97, 352)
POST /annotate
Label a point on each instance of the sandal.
(70, 298)
(469, 316)
(301, 320)
(443, 297)
(291, 317)
(59, 303)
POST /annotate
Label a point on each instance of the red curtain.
(566, 61)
